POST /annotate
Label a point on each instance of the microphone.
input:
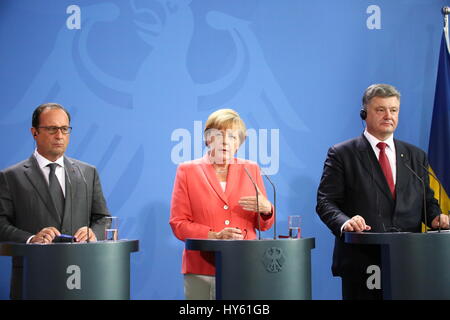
(274, 205)
(87, 202)
(257, 203)
(71, 207)
(424, 195)
(440, 191)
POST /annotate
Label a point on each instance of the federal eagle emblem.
(273, 259)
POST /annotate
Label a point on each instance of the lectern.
(260, 269)
(413, 265)
(96, 270)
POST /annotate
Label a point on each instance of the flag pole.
(446, 12)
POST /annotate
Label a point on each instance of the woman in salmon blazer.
(213, 198)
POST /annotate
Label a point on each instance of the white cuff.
(342, 228)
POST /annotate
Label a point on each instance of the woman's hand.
(249, 204)
(226, 233)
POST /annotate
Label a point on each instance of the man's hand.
(46, 235)
(81, 235)
(356, 224)
(444, 222)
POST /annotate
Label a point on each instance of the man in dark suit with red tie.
(366, 185)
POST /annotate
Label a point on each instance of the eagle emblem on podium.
(273, 259)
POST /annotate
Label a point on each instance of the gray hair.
(379, 90)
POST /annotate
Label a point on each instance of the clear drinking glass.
(112, 228)
(294, 227)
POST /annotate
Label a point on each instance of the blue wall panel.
(141, 77)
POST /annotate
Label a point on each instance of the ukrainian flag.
(439, 146)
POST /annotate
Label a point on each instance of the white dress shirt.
(390, 151)
(59, 172)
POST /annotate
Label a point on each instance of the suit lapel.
(402, 157)
(365, 154)
(234, 174)
(210, 174)
(71, 190)
(37, 180)
(371, 164)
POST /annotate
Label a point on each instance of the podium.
(260, 269)
(59, 271)
(413, 265)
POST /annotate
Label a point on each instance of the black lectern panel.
(96, 270)
(413, 265)
(260, 269)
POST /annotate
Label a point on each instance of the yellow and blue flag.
(439, 146)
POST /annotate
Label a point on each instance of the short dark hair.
(37, 112)
(379, 90)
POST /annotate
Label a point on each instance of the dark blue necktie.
(55, 189)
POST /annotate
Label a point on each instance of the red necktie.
(386, 167)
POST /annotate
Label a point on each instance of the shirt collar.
(374, 141)
(43, 162)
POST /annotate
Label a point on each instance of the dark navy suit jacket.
(353, 184)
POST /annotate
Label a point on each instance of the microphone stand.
(257, 203)
(424, 196)
(440, 192)
(274, 206)
(71, 207)
(87, 202)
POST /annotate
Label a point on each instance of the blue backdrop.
(141, 77)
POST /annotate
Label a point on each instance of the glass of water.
(112, 228)
(294, 227)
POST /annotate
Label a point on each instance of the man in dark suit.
(49, 194)
(366, 185)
